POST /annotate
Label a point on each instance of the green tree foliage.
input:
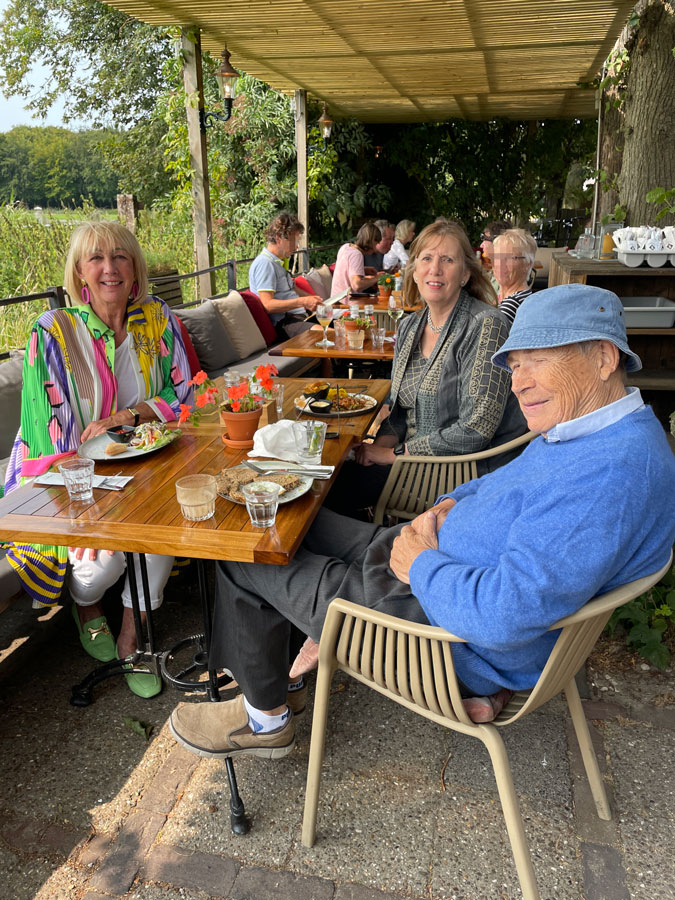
(54, 167)
(475, 171)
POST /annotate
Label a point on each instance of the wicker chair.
(412, 665)
(415, 482)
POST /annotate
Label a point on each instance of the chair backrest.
(412, 663)
(415, 482)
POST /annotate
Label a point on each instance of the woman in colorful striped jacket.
(116, 357)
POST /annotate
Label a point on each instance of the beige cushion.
(209, 336)
(240, 324)
(321, 280)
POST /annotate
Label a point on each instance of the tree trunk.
(611, 153)
(648, 157)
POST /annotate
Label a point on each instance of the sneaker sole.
(262, 752)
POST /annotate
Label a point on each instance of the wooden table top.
(145, 516)
(379, 305)
(304, 345)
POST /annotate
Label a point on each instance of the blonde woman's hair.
(103, 236)
(478, 284)
(521, 241)
(403, 229)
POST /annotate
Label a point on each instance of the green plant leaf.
(143, 728)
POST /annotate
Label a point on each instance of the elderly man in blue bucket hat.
(586, 507)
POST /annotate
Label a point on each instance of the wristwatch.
(399, 450)
(135, 413)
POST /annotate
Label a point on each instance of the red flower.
(236, 405)
(184, 413)
(199, 378)
(202, 400)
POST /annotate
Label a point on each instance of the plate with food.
(331, 405)
(146, 439)
(230, 482)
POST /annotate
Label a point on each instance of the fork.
(110, 487)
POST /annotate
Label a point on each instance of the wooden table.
(304, 345)
(145, 516)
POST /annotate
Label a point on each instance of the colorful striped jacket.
(68, 382)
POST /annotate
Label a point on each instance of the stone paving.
(90, 810)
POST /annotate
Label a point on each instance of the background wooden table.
(304, 345)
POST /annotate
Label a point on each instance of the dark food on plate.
(317, 390)
(121, 433)
(230, 482)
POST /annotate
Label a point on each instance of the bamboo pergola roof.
(412, 60)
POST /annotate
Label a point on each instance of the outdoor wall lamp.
(226, 75)
(325, 123)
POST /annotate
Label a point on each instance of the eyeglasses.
(486, 237)
(507, 256)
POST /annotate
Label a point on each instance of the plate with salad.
(147, 438)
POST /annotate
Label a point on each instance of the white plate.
(305, 482)
(94, 448)
(302, 404)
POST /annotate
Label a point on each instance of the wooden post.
(301, 150)
(201, 199)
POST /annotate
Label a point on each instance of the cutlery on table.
(314, 472)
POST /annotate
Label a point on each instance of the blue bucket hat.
(568, 314)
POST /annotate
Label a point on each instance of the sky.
(12, 112)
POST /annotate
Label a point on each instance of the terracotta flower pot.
(350, 324)
(241, 426)
(383, 291)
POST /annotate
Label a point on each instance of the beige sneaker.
(219, 730)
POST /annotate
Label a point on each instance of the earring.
(84, 293)
(463, 283)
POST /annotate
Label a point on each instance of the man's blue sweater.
(535, 540)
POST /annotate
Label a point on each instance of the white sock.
(296, 685)
(260, 722)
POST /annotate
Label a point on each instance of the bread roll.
(113, 448)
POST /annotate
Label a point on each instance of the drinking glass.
(196, 495)
(324, 316)
(395, 309)
(355, 339)
(339, 328)
(279, 398)
(78, 477)
(262, 500)
(377, 337)
(309, 437)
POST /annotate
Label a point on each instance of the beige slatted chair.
(415, 482)
(412, 665)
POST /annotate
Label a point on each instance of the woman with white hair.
(115, 357)
(397, 257)
(512, 260)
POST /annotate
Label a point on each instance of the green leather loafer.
(95, 637)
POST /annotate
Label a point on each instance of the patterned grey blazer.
(463, 403)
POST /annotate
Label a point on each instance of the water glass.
(78, 477)
(369, 310)
(377, 337)
(279, 398)
(196, 495)
(232, 378)
(309, 437)
(262, 500)
(354, 310)
(340, 332)
(355, 339)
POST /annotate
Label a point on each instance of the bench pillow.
(244, 334)
(301, 284)
(260, 314)
(209, 336)
(321, 281)
(193, 359)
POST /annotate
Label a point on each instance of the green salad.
(153, 435)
